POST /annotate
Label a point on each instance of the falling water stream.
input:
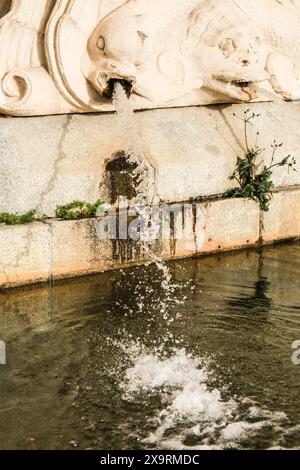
(127, 126)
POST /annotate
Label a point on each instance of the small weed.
(253, 185)
(77, 210)
(20, 219)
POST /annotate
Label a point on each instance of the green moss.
(77, 210)
(20, 219)
(74, 211)
(251, 184)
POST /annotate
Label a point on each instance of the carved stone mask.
(116, 52)
(234, 61)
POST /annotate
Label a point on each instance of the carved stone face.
(133, 42)
(234, 63)
(116, 52)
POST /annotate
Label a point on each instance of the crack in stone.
(60, 158)
(19, 256)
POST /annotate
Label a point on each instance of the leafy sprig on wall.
(9, 218)
(255, 184)
(77, 210)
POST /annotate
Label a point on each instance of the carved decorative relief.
(63, 56)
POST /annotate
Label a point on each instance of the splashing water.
(191, 412)
(194, 415)
(128, 126)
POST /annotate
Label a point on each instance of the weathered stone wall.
(48, 161)
(54, 160)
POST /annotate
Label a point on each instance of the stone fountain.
(187, 66)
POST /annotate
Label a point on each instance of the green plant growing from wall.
(74, 211)
(8, 218)
(77, 210)
(254, 185)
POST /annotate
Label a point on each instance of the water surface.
(136, 359)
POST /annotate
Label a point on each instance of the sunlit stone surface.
(63, 56)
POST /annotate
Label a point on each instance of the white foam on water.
(151, 372)
(191, 411)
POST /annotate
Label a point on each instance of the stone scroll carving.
(63, 56)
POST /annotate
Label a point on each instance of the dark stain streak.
(143, 36)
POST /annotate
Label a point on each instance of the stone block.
(25, 254)
(283, 219)
(76, 250)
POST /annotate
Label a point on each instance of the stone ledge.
(25, 254)
(62, 249)
(76, 250)
(222, 225)
(58, 249)
(283, 219)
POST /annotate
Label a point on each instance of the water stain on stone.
(213, 149)
(121, 180)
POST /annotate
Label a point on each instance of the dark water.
(128, 360)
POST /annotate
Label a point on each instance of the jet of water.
(130, 132)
